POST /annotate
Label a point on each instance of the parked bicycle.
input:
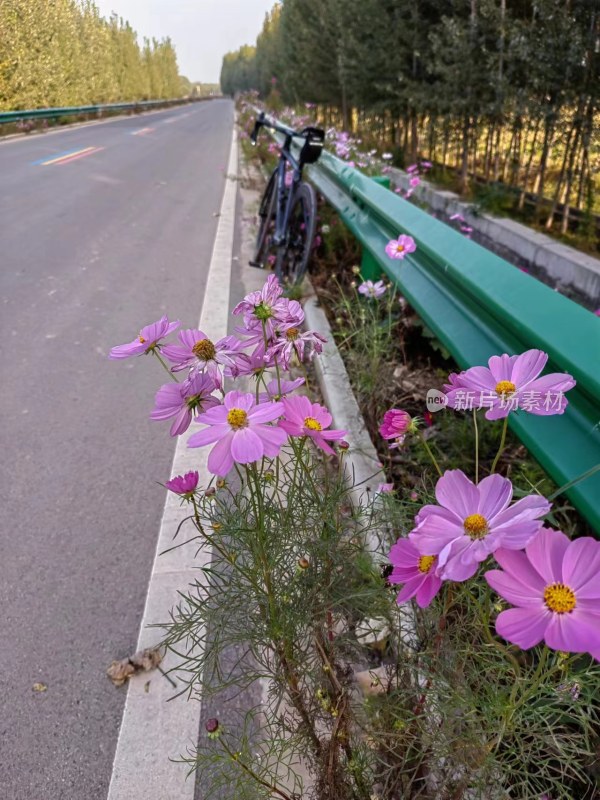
(288, 209)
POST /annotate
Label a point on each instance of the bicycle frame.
(285, 197)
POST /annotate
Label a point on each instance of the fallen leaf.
(143, 661)
(40, 687)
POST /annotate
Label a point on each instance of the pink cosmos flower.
(147, 340)
(278, 389)
(303, 418)
(412, 168)
(417, 572)
(398, 248)
(414, 182)
(597, 312)
(197, 352)
(293, 341)
(183, 401)
(373, 290)
(426, 164)
(459, 217)
(472, 521)
(510, 383)
(267, 307)
(395, 425)
(184, 484)
(555, 588)
(385, 488)
(239, 428)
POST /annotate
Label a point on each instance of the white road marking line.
(152, 729)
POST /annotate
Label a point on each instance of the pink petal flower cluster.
(198, 354)
(554, 587)
(303, 418)
(240, 431)
(184, 485)
(472, 521)
(372, 290)
(418, 573)
(395, 425)
(510, 383)
(293, 342)
(400, 247)
(147, 340)
(184, 400)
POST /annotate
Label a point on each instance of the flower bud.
(303, 563)
(212, 725)
(343, 445)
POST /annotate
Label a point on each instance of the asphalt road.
(91, 249)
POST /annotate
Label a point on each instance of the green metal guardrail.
(72, 111)
(479, 305)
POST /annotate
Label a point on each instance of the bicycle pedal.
(256, 264)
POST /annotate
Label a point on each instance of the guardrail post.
(370, 270)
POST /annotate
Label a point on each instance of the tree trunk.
(528, 167)
(464, 163)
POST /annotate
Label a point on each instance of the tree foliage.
(62, 52)
(506, 88)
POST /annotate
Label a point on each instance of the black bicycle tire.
(266, 212)
(306, 194)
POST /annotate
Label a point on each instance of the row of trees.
(506, 88)
(62, 52)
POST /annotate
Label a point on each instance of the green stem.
(270, 786)
(501, 447)
(587, 474)
(430, 454)
(165, 365)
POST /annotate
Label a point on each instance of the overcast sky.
(201, 30)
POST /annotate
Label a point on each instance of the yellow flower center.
(312, 424)
(142, 340)
(205, 350)
(426, 563)
(505, 388)
(476, 526)
(399, 248)
(292, 334)
(237, 418)
(559, 598)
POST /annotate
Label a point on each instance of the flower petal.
(523, 626)
(495, 493)
(527, 367)
(581, 567)
(220, 460)
(428, 590)
(546, 552)
(515, 592)
(518, 566)
(576, 632)
(246, 446)
(457, 493)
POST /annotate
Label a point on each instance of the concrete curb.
(566, 268)
(157, 727)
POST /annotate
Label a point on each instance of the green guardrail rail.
(479, 305)
(73, 111)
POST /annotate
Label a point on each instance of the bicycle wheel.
(266, 223)
(294, 255)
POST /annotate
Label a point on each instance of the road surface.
(103, 229)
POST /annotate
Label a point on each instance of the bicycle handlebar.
(263, 121)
